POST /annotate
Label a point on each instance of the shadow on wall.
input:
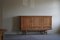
(58, 30)
(16, 24)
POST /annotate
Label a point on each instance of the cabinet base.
(41, 32)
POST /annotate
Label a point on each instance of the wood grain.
(36, 23)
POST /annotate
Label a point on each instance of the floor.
(31, 37)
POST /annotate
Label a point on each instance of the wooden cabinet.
(2, 33)
(35, 23)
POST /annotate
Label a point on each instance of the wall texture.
(12, 8)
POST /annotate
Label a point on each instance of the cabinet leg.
(46, 32)
(23, 33)
(43, 32)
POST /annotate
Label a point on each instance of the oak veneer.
(35, 23)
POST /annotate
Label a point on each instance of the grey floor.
(31, 37)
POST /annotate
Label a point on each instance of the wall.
(12, 8)
(0, 15)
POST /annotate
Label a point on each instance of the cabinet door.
(36, 23)
(47, 22)
(25, 22)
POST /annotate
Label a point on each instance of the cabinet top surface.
(3, 30)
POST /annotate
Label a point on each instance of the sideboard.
(35, 23)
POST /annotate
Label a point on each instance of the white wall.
(12, 8)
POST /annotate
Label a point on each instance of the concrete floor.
(31, 37)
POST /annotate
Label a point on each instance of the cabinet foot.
(23, 33)
(43, 32)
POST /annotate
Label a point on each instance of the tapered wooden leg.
(46, 32)
(23, 33)
(43, 32)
